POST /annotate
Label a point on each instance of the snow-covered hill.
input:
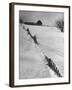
(32, 64)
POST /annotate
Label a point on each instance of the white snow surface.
(32, 62)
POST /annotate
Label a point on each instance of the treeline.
(59, 23)
(31, 23)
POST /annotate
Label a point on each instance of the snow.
(32, 62)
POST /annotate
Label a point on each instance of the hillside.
(32, 63)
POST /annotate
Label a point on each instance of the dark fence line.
(53, 66)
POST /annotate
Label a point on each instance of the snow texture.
(31, 60)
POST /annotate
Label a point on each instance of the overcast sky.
(47, 18)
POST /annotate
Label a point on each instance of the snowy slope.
(32, 64)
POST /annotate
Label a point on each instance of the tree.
(21, 21)
(39, 22)
(60, 25)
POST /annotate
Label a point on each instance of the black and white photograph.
(41, 45)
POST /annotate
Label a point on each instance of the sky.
(47, 18)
